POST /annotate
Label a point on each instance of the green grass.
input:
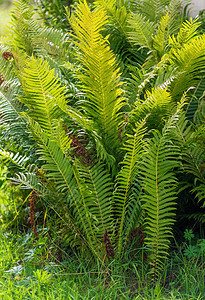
(25, 273)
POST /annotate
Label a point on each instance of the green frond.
(141, 31)
(28, 181)
(186, 34)
(194, 158)
(47, 101)
(117, 30)
(160, 39)
(60, 136)
(87, 125)
(10, 110)
(153, 10)
(16, 159)
(23, 32)
(175, 19)
(195, 109)
(160, 193)
(192, 143)
(156, 106)
(117, 13)
(190, 60)
(199, 115)
(126, 177)
(194, 164)
(99, 75)
(96, 186)
(67, 179)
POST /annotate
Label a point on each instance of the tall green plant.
(104, 157)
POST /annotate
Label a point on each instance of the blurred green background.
(5, 7)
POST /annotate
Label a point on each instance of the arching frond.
(66, 177)
(156, 105)
(47, 101)
(10, 110)
(99, 76)
(23, 30)
(16, 159)
(142, 30)
(117, 30)
(190, 60)
(187, 32)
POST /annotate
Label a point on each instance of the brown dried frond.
(108, 246)
(7, 55)
(79, 150)
(32, 208)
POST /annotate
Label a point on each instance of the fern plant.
(105, 153)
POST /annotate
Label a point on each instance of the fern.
(152, 9)
(190, 61)
(47, 101)
(156, 105)
(125, 179)
(160, 39)
(118, 14)
(117, 30)
(83, 193)
(24, 31)
(96, 187)
(160, 192)
(100, 78)
(142, 31)
(10, 109)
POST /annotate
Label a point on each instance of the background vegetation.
(102, 138)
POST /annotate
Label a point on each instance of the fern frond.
(160, 192)
(160, 39)
(66, 176)
(28, 181)
(117, 30)
(23, 32)
(118, 14)
(99, 76)
(190, 60)
(47, 101)
(153, 10)
(16, 159)
(156, 105)
(87, 125)
(175, 19)
(122, 196)
(142, 30)
(186, 34)
(96, 187)
(60, 136)
(10, 110)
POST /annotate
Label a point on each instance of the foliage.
(96, 149)
(54, 12)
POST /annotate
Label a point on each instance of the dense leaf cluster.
(102, 121)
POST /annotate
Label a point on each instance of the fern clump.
(105, 131)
